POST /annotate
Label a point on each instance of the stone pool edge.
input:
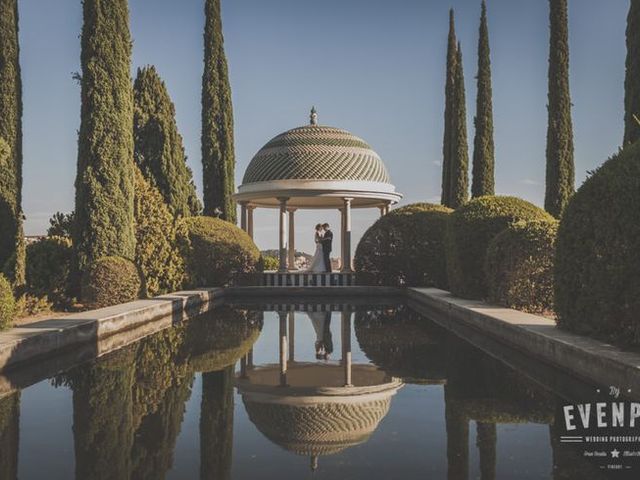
(30, 342)
(537, 336)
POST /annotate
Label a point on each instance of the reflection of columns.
(346, 235)
(292, 326)
(243, 216)
(346, 347)
(486, 440)
(283, 348)
(292, 240)
(250, 209)
(382, 209)
(281, 240)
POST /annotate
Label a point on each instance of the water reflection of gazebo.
(314, 167)
(315, 408)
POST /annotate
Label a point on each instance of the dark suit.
(326, 249)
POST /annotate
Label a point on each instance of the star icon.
(615, 453)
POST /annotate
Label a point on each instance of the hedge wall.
(470, 230)
(597, 265)
(405, 247)
(519, 266)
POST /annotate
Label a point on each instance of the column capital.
(292, 209)
(251, 206)
(283, 200)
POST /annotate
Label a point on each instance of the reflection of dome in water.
(319, 428)
(315, 414)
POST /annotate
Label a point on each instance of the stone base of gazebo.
(295, 279)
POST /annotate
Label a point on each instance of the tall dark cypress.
(105, 176)
(10, 139)
(632, 77)
(560, 168)
(158, 147)
(218, 159)
(459, 175)
(483, 148)
(449, 91)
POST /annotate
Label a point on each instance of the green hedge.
(48, 268)
(110, 281)
(597, 266)
(214, 249)
(157, 255)
(405, 247)
(7, 304)
(470, 230)
(519, 266)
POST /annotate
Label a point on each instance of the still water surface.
(366, 392)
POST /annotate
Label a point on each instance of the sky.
(373, 67)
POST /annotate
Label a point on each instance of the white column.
(243, 216)
(283, 348)
(292, 240)
(346, 235)
(250, 209)
(281, 241)
(382, 209)
(341, 210)
(346, 347)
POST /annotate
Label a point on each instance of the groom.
(326, 246)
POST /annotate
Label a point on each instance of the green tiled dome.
(315, 152)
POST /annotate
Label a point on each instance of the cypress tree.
(483, 148)
(158, 148)
(560, 167)
(10, 140)
(218, 160)
(632, 77)
(105, 176)
(459, 148)
(448, 111)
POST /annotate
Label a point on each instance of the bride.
(317, 262)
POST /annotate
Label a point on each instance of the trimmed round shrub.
(7, 304)
(48, 268)
(405, 247)
(597, 267)
(110, 281)
(470, 230)
(214, 249)
(519, 266)
(270, 263)
(157, 255)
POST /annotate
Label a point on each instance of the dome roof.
(315, 152)
(316, 166)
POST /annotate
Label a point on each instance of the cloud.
(529, 181)
(437, 163)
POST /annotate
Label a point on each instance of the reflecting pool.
(301, 391)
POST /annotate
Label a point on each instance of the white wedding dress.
(317, 262)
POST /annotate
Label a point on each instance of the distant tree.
(61, 225)
(560, 168)
(483, 147)
(460, 149)
(158, 149)
(218, 160)
(10, 137)
(449, 92)
(632, 78)
(105, 176)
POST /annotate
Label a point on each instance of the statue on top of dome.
(313, 117)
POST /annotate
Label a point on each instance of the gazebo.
(314, 167)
